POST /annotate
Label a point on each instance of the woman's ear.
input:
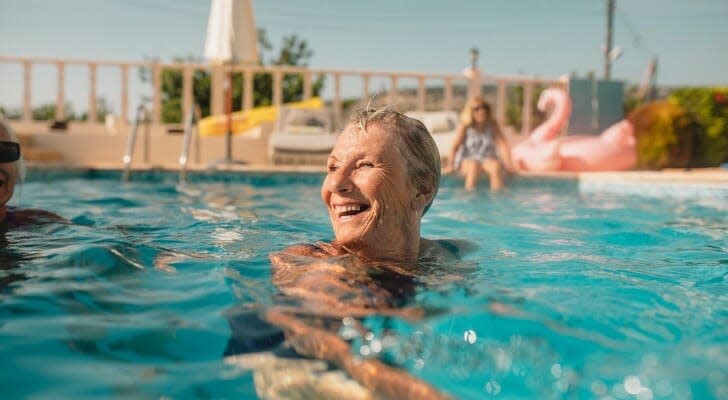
(422, 198)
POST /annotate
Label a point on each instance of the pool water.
(568, 294)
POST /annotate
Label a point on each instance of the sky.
(544, 38)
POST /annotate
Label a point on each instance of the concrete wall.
(157, 149)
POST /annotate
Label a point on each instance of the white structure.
(302, 136)
(231, 35)
(231, 39)
(474, 75)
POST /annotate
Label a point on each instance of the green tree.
(514, 107)
(294, 51)
(47, 112)
(102, 108)
(9, 113)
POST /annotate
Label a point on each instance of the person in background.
(12, 172)
(479, 147)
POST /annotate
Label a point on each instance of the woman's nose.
(340, 182)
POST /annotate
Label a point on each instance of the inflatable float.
(543, 150)
(242, 121)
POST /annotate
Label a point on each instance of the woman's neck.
(481, 126)
(404, 251)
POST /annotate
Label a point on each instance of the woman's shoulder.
(316, 250)
(26, 216)
(446, 249)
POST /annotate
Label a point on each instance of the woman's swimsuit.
(477, 146)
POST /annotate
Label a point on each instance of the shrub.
(665, 135)
(709, 108)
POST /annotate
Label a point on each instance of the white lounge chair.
(442, 126)
(302, 136)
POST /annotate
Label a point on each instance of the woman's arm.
(502, 146)
(457, 142)
(374, 375)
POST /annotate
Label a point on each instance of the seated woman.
(12, 171)
(383, 174)
(479, 146)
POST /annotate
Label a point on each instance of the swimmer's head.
(12, 169)
(415, 144)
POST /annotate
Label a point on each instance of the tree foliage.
(708, 107)
(47, 112)
(294, 51)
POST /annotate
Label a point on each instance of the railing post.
(526, 120)
(60, 94)
(92, 92)
(157, 94)
(337, 99)
(187, 90)
(248, 89)
(501, 102)
(277, 87)
(394, 92)
(420, 93)
(217, 90)
(307, 88)
(27, 100)
(365, 87)
(447, 102)
(124, 112)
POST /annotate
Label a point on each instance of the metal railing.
(191, 127)
(142, 116)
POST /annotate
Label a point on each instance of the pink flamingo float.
(544, 150)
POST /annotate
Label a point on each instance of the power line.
(638, 41)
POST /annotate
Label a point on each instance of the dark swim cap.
(9, 152)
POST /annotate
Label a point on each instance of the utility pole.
(608, 44)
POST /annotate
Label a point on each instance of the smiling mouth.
(350, 210)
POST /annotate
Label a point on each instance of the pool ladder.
(142, 116)
(193, 117)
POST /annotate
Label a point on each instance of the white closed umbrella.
(231, 39)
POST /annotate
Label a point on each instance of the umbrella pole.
(228, 160)
(229, 111)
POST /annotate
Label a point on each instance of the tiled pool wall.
(648, 185)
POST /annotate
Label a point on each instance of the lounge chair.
(302, 136)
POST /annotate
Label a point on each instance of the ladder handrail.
(141, 113)
(193, 117)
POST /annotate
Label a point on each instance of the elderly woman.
(383, 174)
(12, 171)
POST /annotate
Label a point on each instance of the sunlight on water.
(567, 294)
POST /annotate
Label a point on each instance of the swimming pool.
(570, 294)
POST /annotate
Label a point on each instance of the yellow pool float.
(242, 121)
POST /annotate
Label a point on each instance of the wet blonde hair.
(416, 145)
(466, 116)
(7, 134)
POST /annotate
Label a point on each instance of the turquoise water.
(569, 294)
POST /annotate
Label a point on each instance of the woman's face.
(480, 113)
(7, 182)
(368, 193)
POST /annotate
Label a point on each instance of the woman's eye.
(366, 164)
(332, 168)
